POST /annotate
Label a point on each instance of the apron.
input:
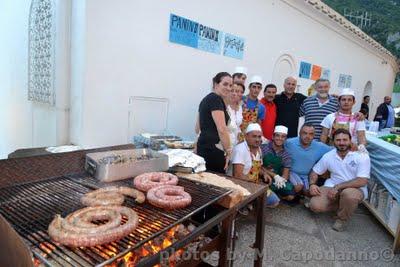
(274, 162)
(342, 125)
(254, 173)
(249, 116)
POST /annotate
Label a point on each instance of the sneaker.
(339, 225)
(244, 211)
(307, 202)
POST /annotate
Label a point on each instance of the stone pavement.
(294, 236)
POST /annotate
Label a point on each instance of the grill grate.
(30, 207)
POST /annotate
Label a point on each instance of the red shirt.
(268, 124)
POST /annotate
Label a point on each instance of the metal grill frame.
(83, 183)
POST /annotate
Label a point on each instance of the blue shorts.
(296, 179)
(272, 199)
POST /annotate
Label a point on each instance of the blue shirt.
(303, 159)
(390, 120)
(251, 104)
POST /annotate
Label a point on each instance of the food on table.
(395, 130)
(112, 195)
(179, 144)
(392, 138)
(146, 181)
(79, 230)
(213, 179)
(169, 197)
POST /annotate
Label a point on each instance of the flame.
(132, 258)
(150, 248)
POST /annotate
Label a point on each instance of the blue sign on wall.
(193, 34)
(183, 31)
(233, 46)
(305, 70)
(209, 39)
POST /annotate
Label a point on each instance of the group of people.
(257, 140)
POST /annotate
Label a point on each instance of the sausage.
(78, 229)
(146, 181)
(169, 197)
(112, 195)
(81, 221)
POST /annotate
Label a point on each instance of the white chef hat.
(281, 129)
(253, 127)
(241, 70)
(347, 91)
(256, 79)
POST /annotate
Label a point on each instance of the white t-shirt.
(355, 125)
(234, 123)
(354, 165)
(242, 155)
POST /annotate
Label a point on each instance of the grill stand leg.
(260, 231)
(225, 258)
(232, 239)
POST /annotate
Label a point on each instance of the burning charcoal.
(191, 227)
(201, 237)
(181, 232)
(180, 235)
(180, 228)
(158, 241)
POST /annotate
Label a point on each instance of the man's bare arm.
(355, 183)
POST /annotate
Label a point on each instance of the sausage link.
(100, 235)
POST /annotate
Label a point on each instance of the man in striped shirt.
(316, 107)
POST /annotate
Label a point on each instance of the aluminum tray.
(115, 165)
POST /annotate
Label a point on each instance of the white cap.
(281, 129)
(241, 70)
(347, 91)
(256, 79)
(253, 127)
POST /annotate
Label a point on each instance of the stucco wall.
(128, 54)
(25, 124)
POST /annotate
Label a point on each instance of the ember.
(159, 243)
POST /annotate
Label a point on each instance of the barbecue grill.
(30, 202)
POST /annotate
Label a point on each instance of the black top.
(287, 110)
(382, 113)
(365, 106)
(209, 134)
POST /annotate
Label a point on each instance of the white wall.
(77, 69)
(25, 124)
(120, 49)
(127, 53)
(15, 109)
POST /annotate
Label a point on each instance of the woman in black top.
(214, 143)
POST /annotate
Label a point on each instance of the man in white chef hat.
(253, 110)
(277, 163)
(240, 75)
(344, 118)
(247, 161)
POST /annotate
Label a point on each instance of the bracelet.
(228, 151)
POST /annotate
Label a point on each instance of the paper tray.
(108, 172)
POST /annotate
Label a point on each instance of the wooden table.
(258, 194)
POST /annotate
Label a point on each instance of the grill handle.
(90, 166)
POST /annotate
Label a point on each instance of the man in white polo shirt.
(347, 186)
(247, 161)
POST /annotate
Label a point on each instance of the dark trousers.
(214, 157)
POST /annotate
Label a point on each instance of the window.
(41, 52)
